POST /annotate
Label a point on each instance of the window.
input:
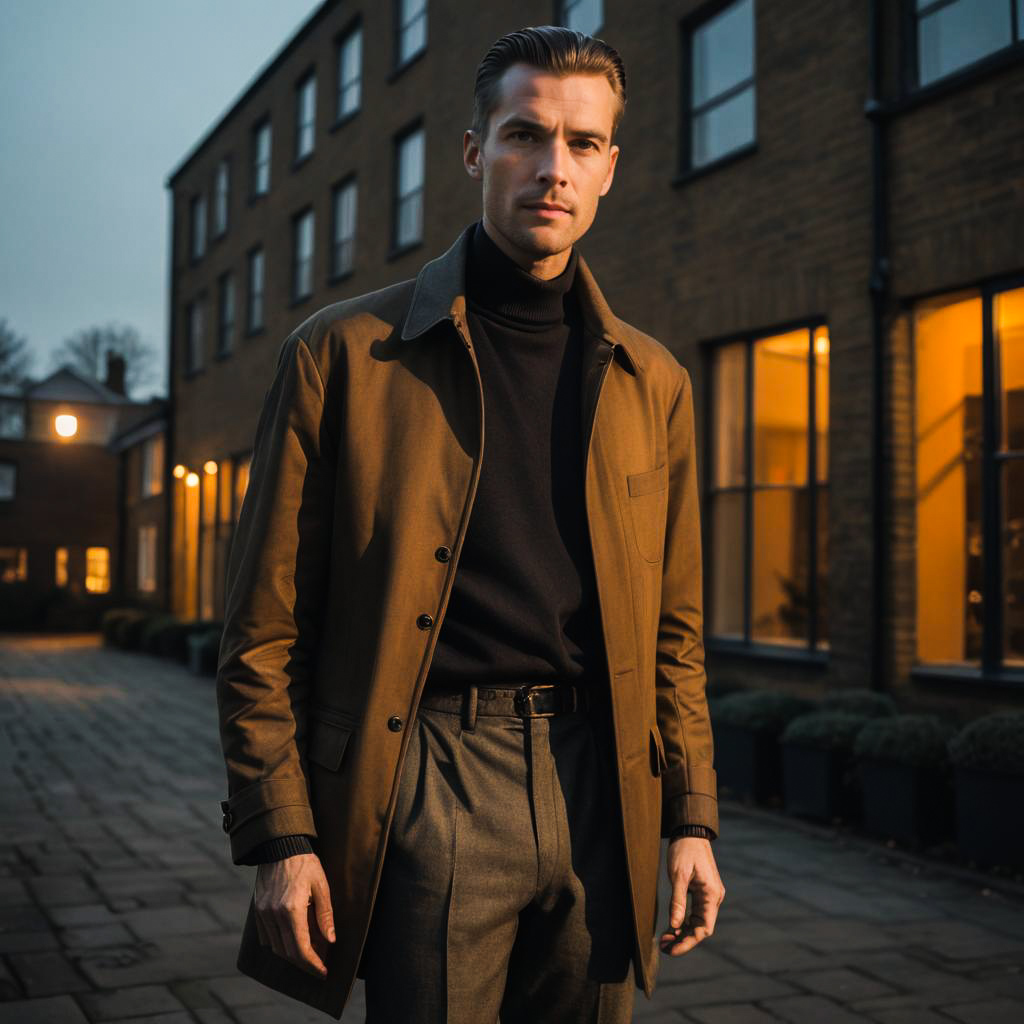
(768, 489)
(256, 273)
(343, 247)
(194, 341)
(719, 85)
(60, 567)
(97, 570)
(13, 565)
(221, 194)
(412, 30)
(350, 71)
(146, 581)
(969, 453)
(302, 258)
(8, 481)
(261, 159)
(152, 466)
(225, 313)
(584, 16)
(198, 219)
(408, 218)
(305, 116)
(954, 33)
(12, 419)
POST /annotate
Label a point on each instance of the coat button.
(442, 554)
(425, 621)
(395, 723)
(228, 819)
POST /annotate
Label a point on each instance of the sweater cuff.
(278, 849)
(700, 831)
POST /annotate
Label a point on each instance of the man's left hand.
(691, 866)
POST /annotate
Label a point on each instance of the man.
(461, 684)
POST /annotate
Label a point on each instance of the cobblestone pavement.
(119, 902)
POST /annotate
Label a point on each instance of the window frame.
(306, 79)
(220, 229)
(353, 27)
(193, 366)
(197, 224)
(296, 296)
(225, 284)
(254, 163)
(350, 180)
(398, 139)
(810, 651)
(399, 63)
(13, 464)
(688, 26)
(251, 327)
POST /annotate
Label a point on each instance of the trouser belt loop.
(469, 708)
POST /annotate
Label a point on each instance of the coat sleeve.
(275, 594)
(689, 785)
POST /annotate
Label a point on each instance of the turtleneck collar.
(495, 282)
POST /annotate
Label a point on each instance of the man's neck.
(544, 267)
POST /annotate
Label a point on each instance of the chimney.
(115, 372)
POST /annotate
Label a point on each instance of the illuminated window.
(302, 256)
(584, 16)
(146, 582)
(305, 116)
(969, 447)
(261, 158)
(409, 156)
(952, 34)
(719, 85)
(350, 72)
(153, 465)
(97, 570)
(768, 489)
(343, 249)
(60, 567)
(13, 565)
(412, 29)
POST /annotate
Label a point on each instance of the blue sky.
(103, 99)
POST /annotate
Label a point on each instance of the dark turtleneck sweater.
(523, 606)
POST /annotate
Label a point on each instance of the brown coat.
(365, 464)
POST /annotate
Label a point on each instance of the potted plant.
(859, 700)
(746, 727)
(905, 778)
(203, 651)
(817, 761)
(988, 772)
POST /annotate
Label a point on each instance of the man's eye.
(522, 131)
(587, 142)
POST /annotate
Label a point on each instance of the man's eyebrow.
(531, 125)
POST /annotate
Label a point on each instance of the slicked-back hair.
(560, 51)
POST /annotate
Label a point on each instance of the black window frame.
(193, 365)
(296, 297)
(355, 25)
(254, 165)
(410, 128)
(334, 275)
(688, 26)
(197, 199)
(219, 232)
(223, 280)
(399, 63)
(309, 75)
(252, 328)
(811, 651)
(13, 463)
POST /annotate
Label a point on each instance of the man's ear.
(471, 154)
(613, 155)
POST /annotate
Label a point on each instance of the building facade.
(817, 207)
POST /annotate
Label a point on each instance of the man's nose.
(554, 163)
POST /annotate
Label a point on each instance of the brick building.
(818, 207)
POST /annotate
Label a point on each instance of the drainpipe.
(879, 287)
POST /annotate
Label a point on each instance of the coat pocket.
(648, 505)
(658, 760)
(328, 739)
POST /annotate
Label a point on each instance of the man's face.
(548, 142)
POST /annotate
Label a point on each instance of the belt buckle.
(523, 700)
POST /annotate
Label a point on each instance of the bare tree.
(15, 358)
(86, 351)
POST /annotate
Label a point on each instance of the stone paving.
(119, 902)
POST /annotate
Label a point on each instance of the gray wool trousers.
(504, 894)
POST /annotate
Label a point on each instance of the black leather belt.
(539, 700)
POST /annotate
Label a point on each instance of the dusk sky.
(104, 99)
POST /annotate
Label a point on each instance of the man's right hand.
(293, 911)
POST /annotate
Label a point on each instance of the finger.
(677, 904)
(322, 908)
(694, 932)
(307, 957)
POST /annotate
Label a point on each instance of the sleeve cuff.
(700, 831)
(278, 849)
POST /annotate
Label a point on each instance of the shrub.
(152, 631)
(126, 626)
(825, 730)
(110, 623)
(917, 740)
(762, 711)
(993, 743)
(859, 701)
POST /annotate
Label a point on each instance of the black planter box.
(815, 783)
(910, 804)
(748, 763)
(990, 816)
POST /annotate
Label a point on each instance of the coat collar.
(440, 294)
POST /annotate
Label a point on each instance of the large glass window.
(261, 159)
(305, 116)
(412, 29)
(256, 275)
(12, 418)
(152, 466)
(97, 570)
(146, 579)
(343, 246)
(768, 491)
(198, 219)
(302, 247)
(195, 342)
(13, 565)
(721, 115)
(584, 16)
(60, 567)
(225, 313)
(409, 188)
(8, 481)
(969, 447)
(221, 194)
(350, 72)
(954, 33)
